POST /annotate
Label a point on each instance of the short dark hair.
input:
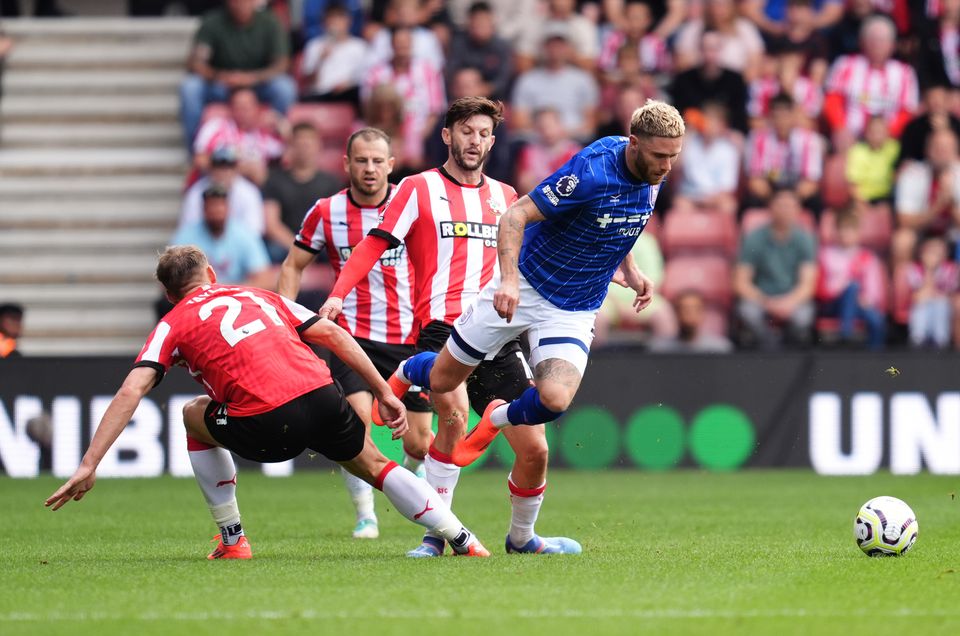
(367, 134)
(179, 267)
(782, 100)
(481, 6)
(215, 191)
(335, 8)
(11, 309)
(466, 107)
(303, 126)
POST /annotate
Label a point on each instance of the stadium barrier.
(839, 414)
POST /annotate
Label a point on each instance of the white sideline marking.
(678, 614)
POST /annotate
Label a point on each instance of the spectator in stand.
(291, 190)
(512, 15)
(626, 75)
(667, 15)
(845, 36)
(627, 100)
(784, 155)
(851, 283)
(478, 46)
(546, 153)
(938, 58)
(424, 47)
(710, 166)
(315, 13)
(237, 46)
(237, 253)
(928, 194)
(712, 82)
(245, 202)
(557, 84)
(871, 165)
(257, 144)
(636, 33)
(775, 277)
(773, 16)
(741, 46)
(869, 83)
(618, 311)
(420, 86)
(11, 327)
(783, 73)
(801, 32)
(692, 336)
(333, 63)
(561, 17)
(468, 82)
(384, 109)
(936, 115)
(933, 280)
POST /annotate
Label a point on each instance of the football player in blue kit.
(559, 247)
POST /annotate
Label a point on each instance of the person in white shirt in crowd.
(406, 14)
(560, 15)
(244, 200)
(710, 167)
(333, 63)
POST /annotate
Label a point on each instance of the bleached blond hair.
(657, 119)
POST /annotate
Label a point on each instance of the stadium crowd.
(817, 197)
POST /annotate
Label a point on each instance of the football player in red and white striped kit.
(378, 312)
(268, 398)
(447, 218)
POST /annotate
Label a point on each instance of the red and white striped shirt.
(785, 161)
(806, 93)
(423, 94)
(651, 50)
(950, 47)
(888, 91)
(251, 145)
(380, 307)
(451, 234)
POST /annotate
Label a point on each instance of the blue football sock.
(417, 369)
(528, 409)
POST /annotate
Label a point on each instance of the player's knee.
(555, 397)
(535, 455)
(193, 411)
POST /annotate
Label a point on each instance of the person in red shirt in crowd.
(870, 83)
(447, 217)
(269, 397)
(551, 148)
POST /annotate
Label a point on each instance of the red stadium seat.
(834, 188)
(708, 275)
(331, 159)
(901, 296)
(876, 228)
(698, 231)
(334, 122)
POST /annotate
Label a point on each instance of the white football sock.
(361, 493)
(216, 475)
(499, 416)
(525, 507)
(411, 463)
(415, 500)
(442, 475)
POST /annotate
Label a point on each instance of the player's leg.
(216, 474)
(341, 436)
(416, 443)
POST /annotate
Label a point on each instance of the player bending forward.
(269, 398)
(378, 312)
(447, 218)
(559, 247)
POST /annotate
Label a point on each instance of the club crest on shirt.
(567, 184)
(495, 206)
(654, 191)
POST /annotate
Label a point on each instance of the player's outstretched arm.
(361, 261)
(291, 271)
(509, 240)
(629, 275)
(138, 383)
(330, 335)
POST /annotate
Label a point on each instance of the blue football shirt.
(595, 209)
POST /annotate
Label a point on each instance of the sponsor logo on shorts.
(391, 258)
(487, 232)
(551, 197)
(567, 184)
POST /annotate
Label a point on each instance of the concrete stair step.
(140, 134)
(167, 27)
(82, 267)
(88, 345)
(115, 213)
(158, 53)
(51, 161)
(72, 188)
(92, 108)
(90, 319)
(103, 82)
(65, 244)
(65, 296)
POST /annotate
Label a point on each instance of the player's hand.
(644, 288)
(506, 299)
(393, 413)
(620, 278)
(331, 308)
(75, 488)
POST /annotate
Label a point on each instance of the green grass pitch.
(755, 552)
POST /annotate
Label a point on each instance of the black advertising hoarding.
(837, 413)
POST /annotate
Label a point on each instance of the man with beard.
(378, 313)
(448, 217)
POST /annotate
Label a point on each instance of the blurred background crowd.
(816, 201)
